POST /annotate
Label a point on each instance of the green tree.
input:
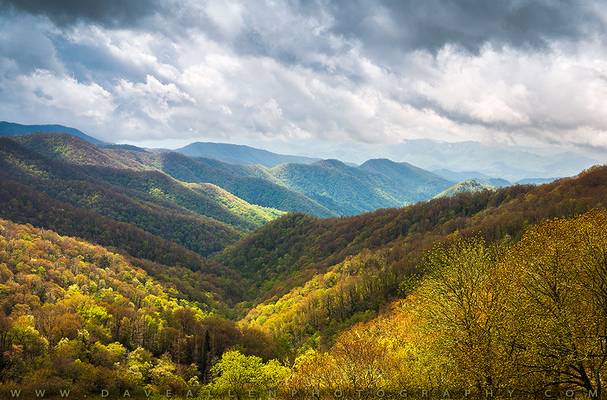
(241, 374)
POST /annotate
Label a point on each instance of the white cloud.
(245, 71)
(157, 101)
(44, 90)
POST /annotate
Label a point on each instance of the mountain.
(14, 129)
(332, 187)
(467, 186)
(199, 217)
(347, 190)
(239, 154)
(456, 176)
(195, 285)
(508, 162)
(485, 303)
(354, 265)
(342, 189)
(250, 183)
(535, 181)
(412, 182)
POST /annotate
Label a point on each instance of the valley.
(181, 270)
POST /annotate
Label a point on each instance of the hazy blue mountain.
(458, 176)
(467, 186)
(535, 181)
(240, 154)
(14, 129)
(509, 162)
(410, 179)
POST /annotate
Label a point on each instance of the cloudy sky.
(309, 76)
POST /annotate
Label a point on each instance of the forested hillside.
(523, 319)
(200, 288)
(348, 190)
(75, 316)
(80, 188)
(316, 277)
(14, 129)
(200, 217)
(249, 183)
(323, 188)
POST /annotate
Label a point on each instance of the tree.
(563, 269)
(239, 374)
(465, 298)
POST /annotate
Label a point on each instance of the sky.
(319, 78)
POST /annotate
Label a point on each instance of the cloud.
(469, 24)
(319, 72)
(43, 96)
(67, 12)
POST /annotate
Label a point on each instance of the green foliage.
(238, 154)
(74, 314)
(239, 374)
(200, 217)
(347, 190)
(528, 317)
(253, 184)
(312, 290)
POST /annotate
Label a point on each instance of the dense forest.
(125, 269)
(75, 315)
(520, 316)
(528, 317)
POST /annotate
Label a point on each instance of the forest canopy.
(525, 316)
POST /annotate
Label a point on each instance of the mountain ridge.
(241, 154)
(14, 129)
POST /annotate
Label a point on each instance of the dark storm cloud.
(431, 24)
(78, 59)
(104, 12)
(383, 26)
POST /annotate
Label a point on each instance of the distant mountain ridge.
(241, 154)
(458, 176)
(323, 188)
(510, 162)
(14, 129)
(73, 173)
(535, 181)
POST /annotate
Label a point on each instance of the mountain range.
(512, 163)
(239, 154)
(123, 266)
(467, 186)
(318, 187)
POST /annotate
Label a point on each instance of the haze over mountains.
(318, 187)
(223, 190)
(239, 154)
(494, 165)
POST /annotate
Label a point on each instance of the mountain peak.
(467, 186)
(331, 163)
